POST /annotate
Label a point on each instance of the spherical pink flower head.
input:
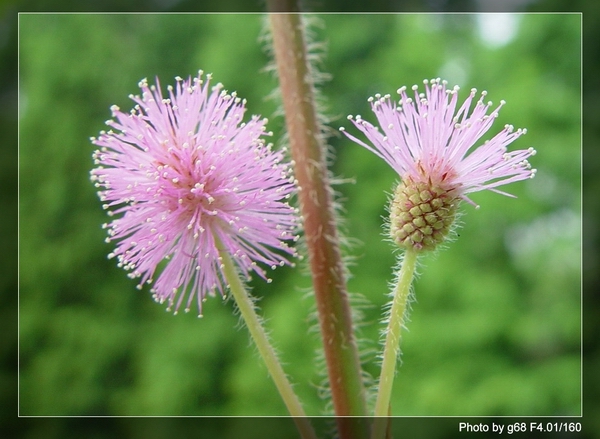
(186, 177)
(432, 147)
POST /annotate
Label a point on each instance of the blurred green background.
(495, 328)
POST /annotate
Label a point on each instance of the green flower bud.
(422, 214)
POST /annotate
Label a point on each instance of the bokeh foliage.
(495, 325)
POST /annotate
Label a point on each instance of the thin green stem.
(253, 323)
(392, 342)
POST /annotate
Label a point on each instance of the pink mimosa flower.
(183, 175)
(432, 147)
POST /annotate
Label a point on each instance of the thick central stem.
(320, 228)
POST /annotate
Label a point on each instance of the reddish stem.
(316, 203)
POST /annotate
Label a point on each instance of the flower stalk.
(341, 352)
(253, 323)
(392, 342)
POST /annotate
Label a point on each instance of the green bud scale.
(422, 214)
